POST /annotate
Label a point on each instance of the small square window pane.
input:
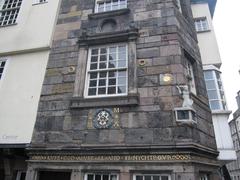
(94, 59)
(112, 73)
(97, 177)
(122, 80)
(183, 114)
(101, 90)
(112, 82)
(112, 50)
(103, 51)
(121, 63)
(103, 74)
(156, 178)
(112, 64)
(208, 75)
(212, 94)
(94, 51)
(147, 178)
(1, 70)
(102, 82)
(90, 177)
(215, 105)
(113, 177)
(210, 84)
(93, 83)
(105, 177)
(102, 66)
(112, 57)
(112, 90)
(103, 58)
(139, 177)
(122, 89)
(93, 66)
(122, 56)
(122, 73)
(122, 48)
(3, 63)
(92, 91)
(164, 178)
(93, 75)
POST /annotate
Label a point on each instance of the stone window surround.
(85, 41)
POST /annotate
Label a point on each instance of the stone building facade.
(124, 96)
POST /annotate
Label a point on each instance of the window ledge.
(34, 4)
(79, 102)
(108, 13)
(204, 31)
(8, 25)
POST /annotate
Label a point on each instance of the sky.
(226, 22)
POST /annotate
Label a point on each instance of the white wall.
(33, 29)
(223, 136)
(207, 40)
(20, 90)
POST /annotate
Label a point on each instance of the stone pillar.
(76, 175)
(132, 64)
(125, 176)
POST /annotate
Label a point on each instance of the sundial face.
(103, 119)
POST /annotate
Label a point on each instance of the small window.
(151, 177)
(107, 71)
(109, 5)
(215, 90)
(100, 176)
(9, 10)
(201, 24)
(2, 65)
(39, 1)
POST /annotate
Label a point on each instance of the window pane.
(147, 178)
(208, 75)
(112, 50)
(122, 80)
(93, 83)
(103, 74)
(90, 177)
(103, 58)
(93, 75)
(102, 82)
(215, 105)
(94, 59)
(164, 178)
(210, 84)
(111, 90)
(156, 178)
(102, 91)
(112, 73)
(103, 51)
(113, 177)
(112, 64)
(112, 82)
(94, 51)
(121, 63)
(122, 89)
(212, 94)
(92, 91)
(105, 177)
(122, 56)
(112, 57)
(97, 177)
(103, 66)
(139, 177)
(122, 73)
(93, 66)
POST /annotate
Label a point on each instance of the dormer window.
(109, 5)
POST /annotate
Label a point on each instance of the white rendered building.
(203, 12)
(26, 28)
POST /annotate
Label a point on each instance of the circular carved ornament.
(103, 119)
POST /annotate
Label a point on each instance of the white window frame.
(221, 101)
(95, 173)
(135, 176)
(87, 79)
(111, 4)
(204, 177)
(201, 24)
(35, 2)
(191, 78)
(179, 5)
(13, 10)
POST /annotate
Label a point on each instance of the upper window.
(9, 10)
(151, 177)
(107, 71)
(204, 177)
(201, 24)
(215, 90)
(109, 5)
(100, 176)
(39, 1)
(2, 65)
